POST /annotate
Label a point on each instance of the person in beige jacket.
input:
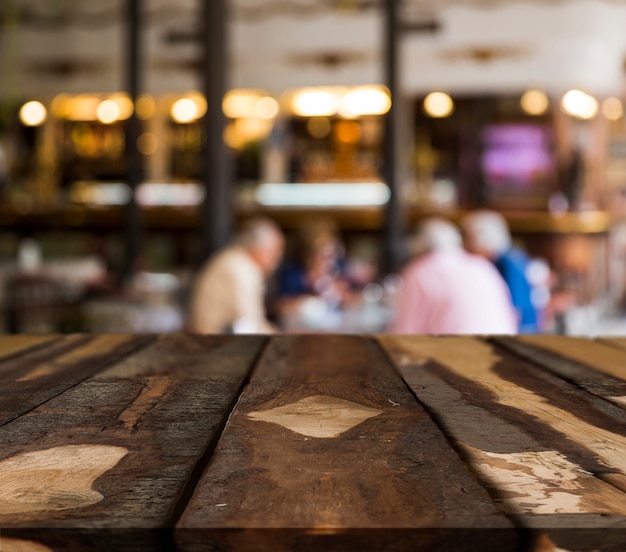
(229, 291)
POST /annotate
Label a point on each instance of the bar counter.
(312, 442)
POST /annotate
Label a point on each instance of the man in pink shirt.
(446, 290)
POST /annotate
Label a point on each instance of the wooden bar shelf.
(81, 217)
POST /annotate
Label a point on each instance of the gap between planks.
(139, 344)
(201, 465)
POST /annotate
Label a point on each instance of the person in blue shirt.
(487, 233)
(319, 267)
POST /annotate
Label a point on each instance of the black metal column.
(132, 226)
(393, 229)
(216, 212)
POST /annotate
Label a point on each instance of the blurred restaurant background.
(135, 135)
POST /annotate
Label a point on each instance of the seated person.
(446, 290)
(487, 234)
(318, 271)
(229, 291)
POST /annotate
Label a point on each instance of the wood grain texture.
(115, 451)
(31, 379)
(327, 439)
(619, 342)
(596, 366)
(11, 345)
(607, 360)
(539, 444)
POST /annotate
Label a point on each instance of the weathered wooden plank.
(539, 444)
(594, 366)
(619, 342)
(31, 379)
(17, 344)
(327, 448)
(112, 456)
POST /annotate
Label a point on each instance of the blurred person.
(487, 234)
(446, 290)
(229, 291)
(318, 263)
(316, 278)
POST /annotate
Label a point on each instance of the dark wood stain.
(393, 470)
(32, 379)
(489, 433)
(164, 420)
(311, 443)
(578, 373)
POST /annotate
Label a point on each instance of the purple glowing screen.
(517, 154)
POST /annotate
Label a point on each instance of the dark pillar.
(216, 212)
(393, 229)
(132, 226)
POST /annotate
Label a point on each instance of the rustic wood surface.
(548, 452)
(31, 379)
(117, 450)
(329, 437)
(598, 366)
(16, 344)
(326, 442)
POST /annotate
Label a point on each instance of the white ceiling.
(482, 46)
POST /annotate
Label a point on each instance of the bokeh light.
(266, 107)
(438, 104)
(365, 100)
(313, 102)
(147, 143)
(579, 104)
(613, 109)
(184, 110)
(534, 102)
(33, 113)
(319, 127)
(108, 112)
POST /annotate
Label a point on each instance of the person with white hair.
(229, 291)
(447, 290)
(487, 234)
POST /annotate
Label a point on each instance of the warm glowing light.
(253, 128)
(240, 103)
(232, 138)
(315, 103)
(33, 113)
(80, 108)
(348, 132)
(124, 104)
(438, 104)
(246, 104)
(613, 109)
(319, 127)
(184, 110)
(245, 130)
(365, 100)
(266, 107)
(200, 101)
(147, 143)
(146, 106)
(579, 104)
(108, 112)
(534, 102)
(59, 105)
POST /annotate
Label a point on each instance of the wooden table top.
(319, 442)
